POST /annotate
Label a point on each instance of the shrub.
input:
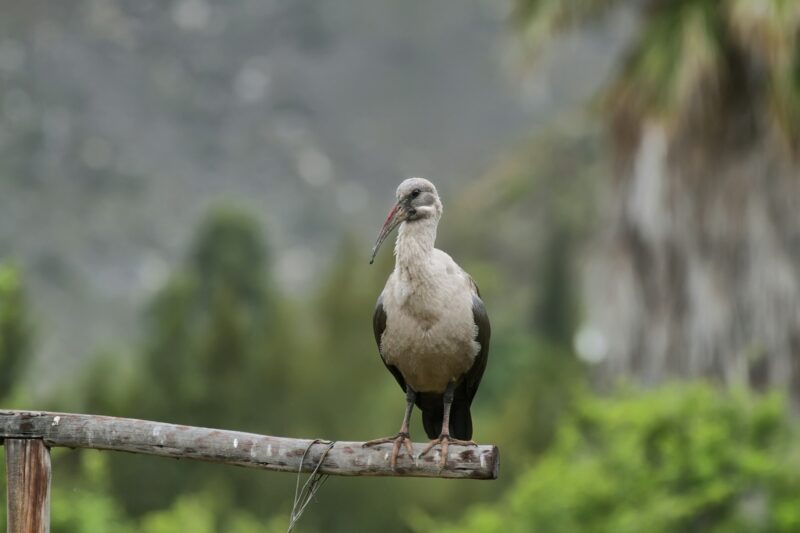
(679, 458)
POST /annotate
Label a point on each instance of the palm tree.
(697, 269)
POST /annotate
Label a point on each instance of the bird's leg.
(444, 437)
(402, 437)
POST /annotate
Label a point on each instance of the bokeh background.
(189, 190)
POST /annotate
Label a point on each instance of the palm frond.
(692, 61)
(766, 28)
(770, 31)
(677, 65)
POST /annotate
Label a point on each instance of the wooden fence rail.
(29, 434)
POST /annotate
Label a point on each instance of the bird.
(430, 325)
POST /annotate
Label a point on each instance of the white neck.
(414, 246)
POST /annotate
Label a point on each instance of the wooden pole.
(242, 449)
(28, 478)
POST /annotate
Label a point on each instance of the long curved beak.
(395, 217)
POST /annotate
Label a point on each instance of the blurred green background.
(189, 191)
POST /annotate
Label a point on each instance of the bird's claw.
(399, 440)
(445, 441)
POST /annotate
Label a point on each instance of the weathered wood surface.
(28, 490)
(242, 449)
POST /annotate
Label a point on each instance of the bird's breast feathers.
(430, 334)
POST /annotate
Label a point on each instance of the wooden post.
(28, 478)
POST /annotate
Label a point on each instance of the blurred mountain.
(121, 121)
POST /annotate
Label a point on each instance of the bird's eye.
(415, 193)
(412, 212)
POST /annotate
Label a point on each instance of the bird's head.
(417, 200)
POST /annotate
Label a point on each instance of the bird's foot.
(399, 440)
(445, 441)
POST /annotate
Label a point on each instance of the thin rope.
(314, 482)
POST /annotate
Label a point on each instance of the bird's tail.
(460, 420)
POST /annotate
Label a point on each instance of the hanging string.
(302, 497)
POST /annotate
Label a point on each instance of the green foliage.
(82, 503)
(679, 458)
(80, 500)
(202, 513)
(524, 402)
(15, 330)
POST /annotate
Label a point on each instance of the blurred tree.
(214, 355)
(679, 458)
(345, 347)
(209, 331)
(697, 274)
(554, 315)
(15, 330)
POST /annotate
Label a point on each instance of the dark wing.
(473, 376)
(378, 325)
(460, 416)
